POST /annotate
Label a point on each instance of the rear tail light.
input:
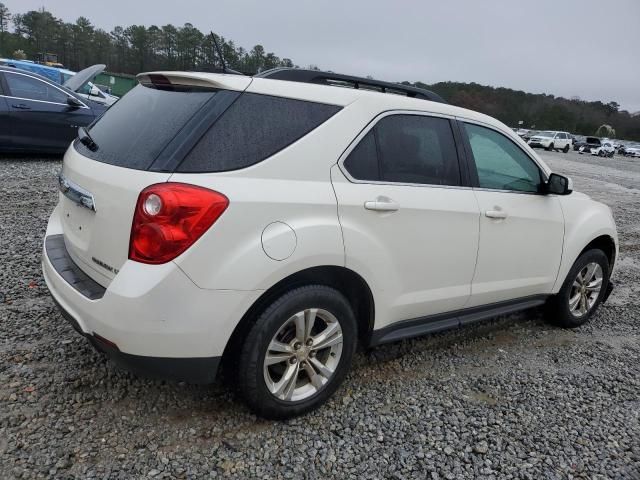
(169, 218)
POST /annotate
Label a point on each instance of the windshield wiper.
(86, 140)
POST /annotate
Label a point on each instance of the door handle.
(21, 106)
(382, 205)
(499, 214)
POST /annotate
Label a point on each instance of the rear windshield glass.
(252, 129)
(135, 130)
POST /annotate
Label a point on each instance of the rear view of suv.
(274, 223)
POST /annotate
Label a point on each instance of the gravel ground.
(508, 398)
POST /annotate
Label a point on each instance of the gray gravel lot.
(509, 398)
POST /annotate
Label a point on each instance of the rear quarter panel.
(292, 187)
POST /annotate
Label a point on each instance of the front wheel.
(298, 352)
(582, 291)
(550, 148)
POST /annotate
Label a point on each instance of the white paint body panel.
(519, 255)
(418, 260)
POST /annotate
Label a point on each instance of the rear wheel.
(298, 352)
(582, 291)
(566, 149)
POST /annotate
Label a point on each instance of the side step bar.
(450, 320)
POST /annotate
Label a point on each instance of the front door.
(408, 224)
(521, 229)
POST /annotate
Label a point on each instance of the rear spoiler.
(220, 81)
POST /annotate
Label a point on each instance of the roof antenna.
(215, 43)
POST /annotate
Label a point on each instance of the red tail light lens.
(169, 218)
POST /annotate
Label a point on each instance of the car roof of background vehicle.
(81, 78)
(51, 73)
(6, 68)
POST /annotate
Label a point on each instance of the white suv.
(272, 224)
(551, 140)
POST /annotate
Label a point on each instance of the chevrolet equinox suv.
(273, 223)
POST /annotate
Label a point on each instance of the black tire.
(558, 310)
(550, 148)
(251, 378)
(601, 153)
(566, 149)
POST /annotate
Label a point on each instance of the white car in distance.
(551, 140)
(606, 149)
(278, 221)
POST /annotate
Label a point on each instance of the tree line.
(131, 49)
(138, 48)
(540, 111)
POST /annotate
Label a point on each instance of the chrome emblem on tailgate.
(76, 193)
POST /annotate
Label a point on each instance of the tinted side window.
(254, 128)
(362, 162)
(23, 86)
(500, 163)
(137, 128)
(417, 149)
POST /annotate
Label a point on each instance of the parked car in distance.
(587, 144)
(606, 149)
(278, 221)
(551, 140)
(61, 76)
(38, 115)
(631, 150)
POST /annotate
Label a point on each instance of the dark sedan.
(38, 115)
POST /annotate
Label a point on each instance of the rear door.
(40, 115)
(408, 221)
(521, 229)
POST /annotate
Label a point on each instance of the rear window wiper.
(86, 140)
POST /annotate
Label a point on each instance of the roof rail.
(349, 81)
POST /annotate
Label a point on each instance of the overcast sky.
(585, 48)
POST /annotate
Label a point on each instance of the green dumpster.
(117, 83)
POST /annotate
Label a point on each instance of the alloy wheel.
(303, 355)
(585, 289)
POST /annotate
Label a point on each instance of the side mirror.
(95, 91)
(559, 184)
(74, 102)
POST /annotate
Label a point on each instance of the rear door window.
(254, 128)
(407, 149)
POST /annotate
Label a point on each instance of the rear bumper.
(190, 370)
(154, 319)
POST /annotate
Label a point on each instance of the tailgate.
(97, 211)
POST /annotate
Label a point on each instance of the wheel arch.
(604, 243)
(343, 279)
